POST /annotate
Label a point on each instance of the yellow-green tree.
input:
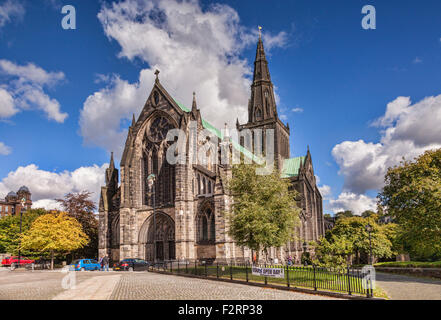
(412, 196)
(54, 233)
(349, 237)
(265, 212)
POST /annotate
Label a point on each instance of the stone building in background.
(12, 204)
(191, 198)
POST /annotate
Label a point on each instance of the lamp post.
(23, 201)
(151, 182)
(369, 230)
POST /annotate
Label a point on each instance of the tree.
(54, 233)
(264, 212)
(334, 252)
(344, 214)
(327, 216)
(80, 207)
(10, 230)
(350, 237)
(368, 213)
(412, 197)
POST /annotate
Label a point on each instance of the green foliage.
(344, 214)
(349, 237)
(368, 213)
(333, 251)
(81, 207)
(10, 231)
(54, 232)
(409, 264)
(412, 196)
(265, 212)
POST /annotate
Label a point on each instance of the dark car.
(131, 265)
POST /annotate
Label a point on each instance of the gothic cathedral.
(189, 199)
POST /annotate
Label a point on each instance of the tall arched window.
(258, 114)
(206, 226)
(204, 236)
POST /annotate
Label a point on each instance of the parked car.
(84, 265)
(7, 261)
(131, 265)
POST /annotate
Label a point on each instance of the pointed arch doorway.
(165, 238)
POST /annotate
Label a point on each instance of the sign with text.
(269, 272)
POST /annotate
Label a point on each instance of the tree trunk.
(52, 260)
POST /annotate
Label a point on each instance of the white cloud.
(195, 50)
(4, 149)
(47, 204)
(10, 10)
(24, 89)
(325, 191)
(407, 131)
(297, 110)
(46, 186)
(354, 202)
(7, 106)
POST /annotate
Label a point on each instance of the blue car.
(84, 265)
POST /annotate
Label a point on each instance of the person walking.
(106, 263)
(101, 263)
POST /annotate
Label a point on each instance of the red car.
(10, 260)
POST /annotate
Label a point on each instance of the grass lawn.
(300, 277)
(409, 264)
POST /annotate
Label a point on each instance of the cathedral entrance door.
(164, 235)
(160, 250)
(172, 250)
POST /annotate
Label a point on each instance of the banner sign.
(269, 272)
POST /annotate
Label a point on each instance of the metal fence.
(349, 281)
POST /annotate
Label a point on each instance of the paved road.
(153, 286)
(399, 287)
(46, 285)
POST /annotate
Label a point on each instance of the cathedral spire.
(194, 106)
(133, 120)
(262, 103)
(112, 163)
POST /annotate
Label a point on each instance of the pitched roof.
(292, 166)
(218, 133)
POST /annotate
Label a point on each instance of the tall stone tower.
(262, 111)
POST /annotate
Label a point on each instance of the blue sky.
(321, 61)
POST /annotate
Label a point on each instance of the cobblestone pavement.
(400, 287)
(46, 285)
(36, 285)
(153, 286)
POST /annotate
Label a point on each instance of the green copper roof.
(218, 133)
(291, 167)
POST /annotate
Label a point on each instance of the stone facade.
(189, 197)
(12, 204)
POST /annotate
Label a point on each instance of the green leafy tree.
(344, 214)
(54, 233)
(349, 237)
(412, 196)
(333, 251)
(368, 213)
(264, 212)
(10, 230)
(82, 208)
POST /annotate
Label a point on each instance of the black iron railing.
(349, 281)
